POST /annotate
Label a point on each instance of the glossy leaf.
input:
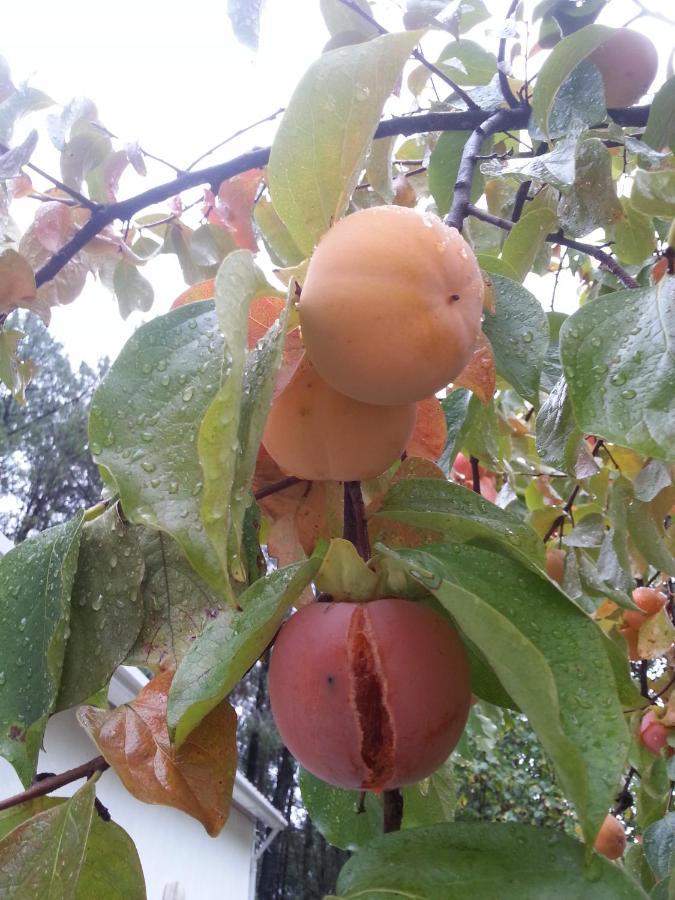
(556, 167)
(198, 778)
(526, 239)
(344, 575)
(559, 441)
(653, 193)
(464, 860)
(618, 363)
(563, 58)
(455, 408)
(430, 434)
(548, 655)
(44, 855)
(591, 201)
(132, 290)
(634, 236)
(660, 130)
(281, 246)
(111, 869)
(226, 650)
(177, 605)
(579, 103)
(453, 510)
(106, 610)
(322, 140)
(36, 580)
(479, 374)
(335, 812)
(519, 334)
(443, 166)
(230, 432)
(144, 419)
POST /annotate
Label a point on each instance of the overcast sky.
(174, 78)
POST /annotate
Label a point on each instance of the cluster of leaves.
(167, 571)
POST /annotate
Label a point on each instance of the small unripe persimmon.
(653, 733)
(391, 305)
(555, 565)
(314, 432)
(627, 62)
(369, 695)
(649, 601)
(611, 839)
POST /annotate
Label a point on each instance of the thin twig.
(71, 192)
(419, 56)
(355, 525)
(475, 475)
(603, 258)
(52, 783)
(276, 487)
(507, 93)
(255, 159)
(236, 134)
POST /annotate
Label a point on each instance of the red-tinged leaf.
(17, 282)
(479, 375)
(430, 436)
(263, 313)
(399, 534)
(283, 544)
(197, 779)
(319, 514)
(233, 207)
(203, 290)
(53, 225)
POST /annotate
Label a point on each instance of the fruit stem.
(393, 810)
(355, 528)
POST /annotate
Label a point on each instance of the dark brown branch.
(624, 799)
(47, 785)
(475, 475)
(605, 260)
(507, 93)
(419, 56)
(355, 525)
(393, 810)
(401, 125)
(467, 166)
(276, 487)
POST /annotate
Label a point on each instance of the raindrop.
(528, 337)
(97, 603)
(146, 368)
(187, 394)
(112, 562)
(173, 487)
(95, 448)
(165, 380)
(618, 379)
(628, 394)
(161, 365)
(155, 482)
(148, 466)
(2, 678)
(147, 436)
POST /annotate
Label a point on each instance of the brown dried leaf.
(197, 779)
(479, 375)
(17, 282)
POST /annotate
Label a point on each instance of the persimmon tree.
(528, 502)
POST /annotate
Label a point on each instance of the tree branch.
(400, 125)
(498, 121)
(71, 192)
(276, 487)
(507, 93)
(355, 526)
(47, 785)
(558, 237)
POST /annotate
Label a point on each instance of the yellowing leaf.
(197, 779)
(656, 636)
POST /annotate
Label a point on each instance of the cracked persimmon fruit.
(316, 433)
(369, 696)
(391, 305)
(627, 62)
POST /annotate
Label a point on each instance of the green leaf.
(548, 655)
(280, 245)
(591, 202)
(651, 480)
(230, 432)
(343, 573)
(453, 510)
(335, 812)
(634, 236)
(552, 367)
(143, 424)
(556, 168)
(379, 168)
(106, 612)
(579, 103)
(526, 239)
(466, 62)
(245, 20)
(87, 148)
(496, 266)
(559, 441)
(111, 869)
(14, 373)
(339, 18)
(132, 290)
(653, 193)
(518, 332)
(617, 356)
(227, 649)
(176, 603)
(660, 130)
(659, 846)
(455, 408)
(481, 433)
(648, 535)
(43, 856)
(443, 167)
(562, 60)
(467, 861)
(322, 141)
(36, 578)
